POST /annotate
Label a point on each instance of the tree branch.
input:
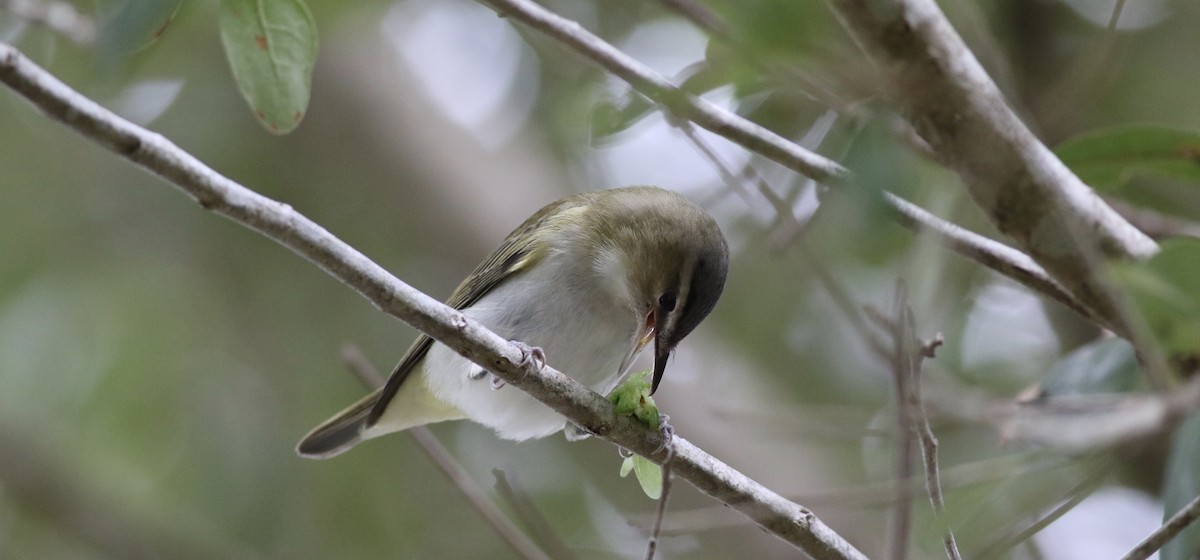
(988, 252)
(42, 482)
(1028, 193)
(369, 375)
(1077, 423)
(153, 152)
(1159, 538)
(1075, 496)
(908, 356)
(904, 362)
(653, 85)
(530, 516)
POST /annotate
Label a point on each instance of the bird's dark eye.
(667, 301)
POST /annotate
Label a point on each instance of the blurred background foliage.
(158, 363)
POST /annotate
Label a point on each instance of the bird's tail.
(338, 434)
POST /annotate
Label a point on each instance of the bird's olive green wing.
(520, 250)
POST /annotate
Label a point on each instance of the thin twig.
(1031, 548)
(1156, 224)
(1137, 330)
(903, 364)
(1074, 496)
(360, 366)
(791, 229)
(871, 495)
(929, 449)
(910, 352)
(487, 509)
(817, 266)
(1076, 423)
(1159, 538)
(990, 253)
(842, 299)
(881, 319)
(661, 512)
(1115, 17)
(787, 520)
(73, 505)
(531, 516)
(933, 483)
(727, 175)
(369, 375)
(788, 226)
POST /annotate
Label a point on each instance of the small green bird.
(590, 279)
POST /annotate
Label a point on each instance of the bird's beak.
(662, 348)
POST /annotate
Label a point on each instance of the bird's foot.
(495, 382)
(575, 432)
(530, 355)
(667, 431)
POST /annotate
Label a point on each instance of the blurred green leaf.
(271, 46)
(1109, 158)
(1105, 366)
(648, 474)
(616, 115)
(613, 116)
(136, 25)
(778, 30)
(1182, 485)
(1166, 290)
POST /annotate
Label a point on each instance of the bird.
(588, 282)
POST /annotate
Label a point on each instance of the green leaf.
(1107, 159)
(1181, 486)
(271, 46)
(632, 398)
(613, 116)
(1148, 166)
(649, 476)
(136, 25)
(1105, 366)
(1166, 289)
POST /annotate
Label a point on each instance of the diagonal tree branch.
(526, 548)
(750, 135)
(1159, 538)
(39, 480)
(957, 109)
(153, 152)
(528, 513)
(653, 85)
(988, 252)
